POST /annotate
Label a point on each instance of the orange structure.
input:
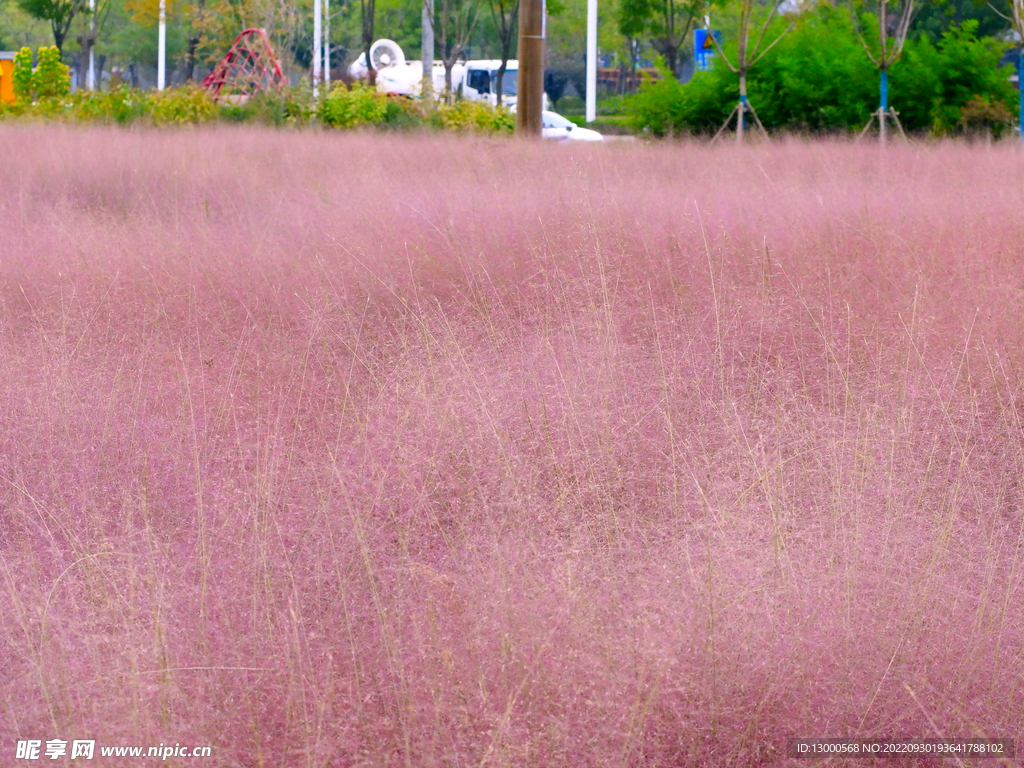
(7, 77)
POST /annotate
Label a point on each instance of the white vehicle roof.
(491, 64)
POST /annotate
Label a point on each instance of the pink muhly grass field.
(335, 450)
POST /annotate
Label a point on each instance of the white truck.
(475, 80)
(480, 81)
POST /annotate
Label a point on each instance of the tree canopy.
(818, 76)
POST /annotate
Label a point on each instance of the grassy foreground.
(342, 450)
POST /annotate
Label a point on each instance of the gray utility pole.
(530, 101)
(428, 49)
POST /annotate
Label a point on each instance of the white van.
(475, 80)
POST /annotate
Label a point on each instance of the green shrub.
(362, 105)
(402, 113)
(187, 104)
(52, 78)
(49, 81)
(668, 107)
(933, 83)
(981, 117)
(353, 107)
(819, 79)
(474, 116)
(606, 107)
(119, 105)
(274, 107)
(23, 77)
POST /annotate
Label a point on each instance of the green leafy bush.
(23, 77)
(118, 105)
(933, 83)
(475, 116)
(981, 117)
(667, 107)
(287, 106)
(52, 78)
(403, 113)
(571, 106)
(48, 81)
(819, 79)
(346, 107)
(181, 106)
(362, 105)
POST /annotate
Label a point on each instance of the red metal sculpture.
(248, 68)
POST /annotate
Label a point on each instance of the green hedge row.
(342, 107)
(819, 79)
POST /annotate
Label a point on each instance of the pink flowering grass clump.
(351, 450)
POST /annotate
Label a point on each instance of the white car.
(554, 126)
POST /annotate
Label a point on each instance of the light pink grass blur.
(338, 450)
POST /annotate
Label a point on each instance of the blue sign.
(704, 47)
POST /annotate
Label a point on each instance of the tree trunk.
(190, 59)
(369, 10)
(672, 57)
(427, 50)
(506, 52)
(507, 30)
(193, 43)
(634, 52)
(83, 64)
(499, 80)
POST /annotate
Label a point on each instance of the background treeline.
(952, 77)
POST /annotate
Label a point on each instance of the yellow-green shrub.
(51, 79)
(24, 85)
(474, 116)
(182, 105)
(118, 105)
(353, 107)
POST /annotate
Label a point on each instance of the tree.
(1016, 19)
(668, 21)
(457, 20)
(633, 18)
(195, 25)
(96, 18)
(748, 55)
(59, 13)
(937, 17)
(892, 35)
(50, 79)
(505, 14)
(369, 10)
(190, 19)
